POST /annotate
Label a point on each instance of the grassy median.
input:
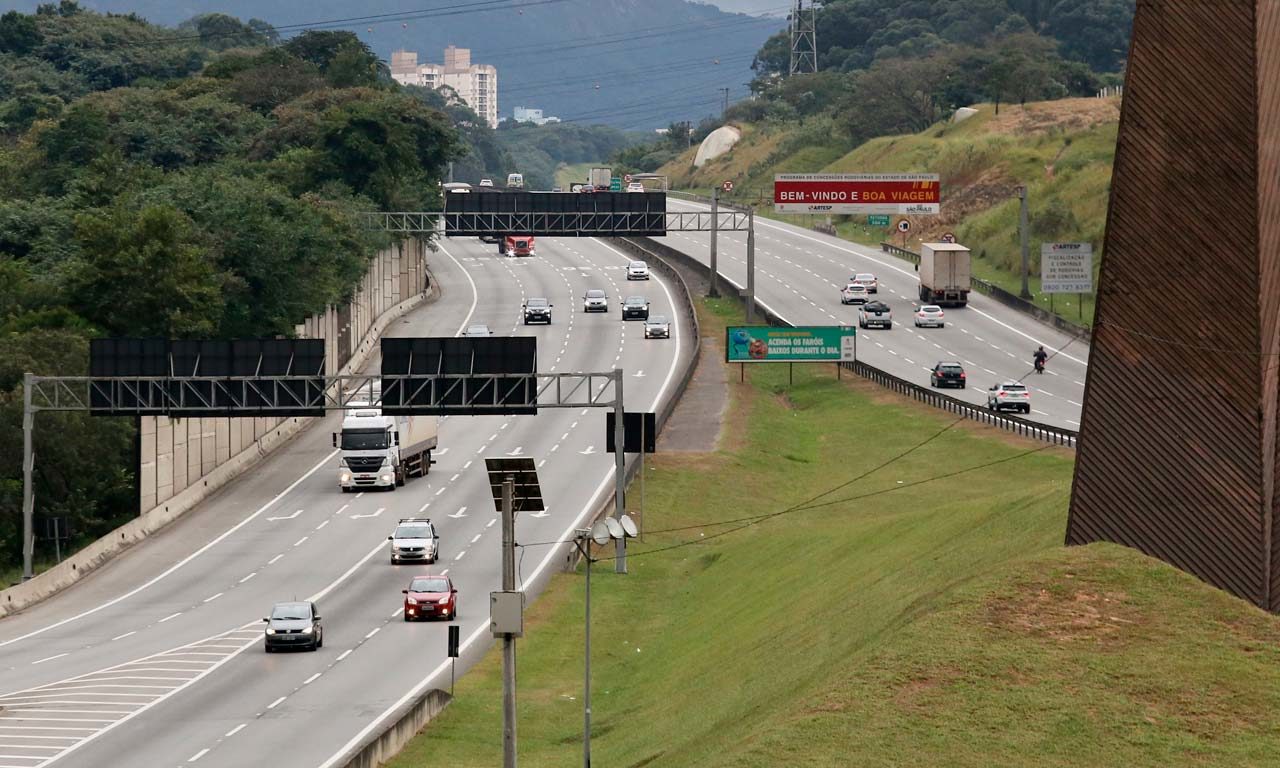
(900, 597)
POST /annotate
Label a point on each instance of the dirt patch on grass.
(1043, 116)
(1066, 614)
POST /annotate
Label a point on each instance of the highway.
(799, 274)
(157, 659)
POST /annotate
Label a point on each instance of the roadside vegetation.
(930, 616)
(193, 183)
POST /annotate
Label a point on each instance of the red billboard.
(857, 193)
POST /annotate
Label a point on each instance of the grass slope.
(1062, 150)
(567, 175)
(932, 619)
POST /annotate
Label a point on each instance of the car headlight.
(270, 631)
(411, 601)
(307, 630)
(443, 600)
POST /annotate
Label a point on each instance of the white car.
(486, 182)
(635, 186)
(1009, 395)
(414, 538)
(595, 300)
(477, 331)
(854, 294)
(637, 270)
(930, 316)
(866, 280)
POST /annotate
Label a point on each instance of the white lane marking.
(541, 463)
(475, 538)
(170, 616)
(461, 513)
(518, 450)
(318, 527)
(286, 517)
(374, 513)
(461, 555)
(250, 576)
(455, 477)
(273, 560)
(198, 755)
(490, 523)
(468, 464)
(180, 563)
(301, 541)
(277, 702)
(440, 491)
(51, 658)
(372, 632)
(129, 634)
(342, 509)
(423, 508)
(234, 731)
(399, 611)
(590, 450)
(344, 654)
(311, 679)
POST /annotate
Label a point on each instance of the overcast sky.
(775, 7)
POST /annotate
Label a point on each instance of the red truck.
(517, 245)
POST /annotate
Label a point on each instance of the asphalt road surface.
(799, 275)
(157, 659)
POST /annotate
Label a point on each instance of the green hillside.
(932, 617)
(1062, 150)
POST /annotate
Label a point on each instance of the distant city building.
(475, 84)
(531, 115)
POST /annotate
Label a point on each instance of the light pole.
(1025, 237)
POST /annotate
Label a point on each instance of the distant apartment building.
(475, 84)
(531, 115)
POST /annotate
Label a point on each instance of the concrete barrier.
(405, 724)
(103, 550)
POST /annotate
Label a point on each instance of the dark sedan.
(635, 308)
(294, 625)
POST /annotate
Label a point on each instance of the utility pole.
(584, 544)
(508, 640)
(620, 472)
(1025, 237)
(28, 493)
(725, 108)
(751, 265)
(715, 227)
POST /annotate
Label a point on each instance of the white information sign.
(1066, 268)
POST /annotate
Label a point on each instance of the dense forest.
(204, 181)
(890, 68)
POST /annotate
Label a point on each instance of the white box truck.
(944, 274)
(383, 451)
(600, 178)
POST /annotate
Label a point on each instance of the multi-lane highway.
(157, 659)
(799, 274)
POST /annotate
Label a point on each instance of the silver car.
(293, 625)
(854, 293)
(657, 327)
(595, 300)
(1009, 395)
(930, 316)
(637, 270)
(415, 539)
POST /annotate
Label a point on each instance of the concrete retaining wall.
(184, 460)
(404, 726)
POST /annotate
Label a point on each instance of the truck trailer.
(944, 274)
(384, 451)
(600, 178)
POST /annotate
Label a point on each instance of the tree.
(18, 33)
(219, 32)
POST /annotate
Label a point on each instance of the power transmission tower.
(725, 108)
(804, 38)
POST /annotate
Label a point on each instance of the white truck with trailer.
(944, 274)
(600, 178)
(382, 452)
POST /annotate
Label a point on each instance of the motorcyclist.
(1040, 357)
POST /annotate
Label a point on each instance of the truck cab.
(368, 459)
(515, 181)
(518, 245)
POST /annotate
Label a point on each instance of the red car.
(430, 597)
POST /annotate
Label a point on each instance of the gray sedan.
(294, 625)
(657, 327)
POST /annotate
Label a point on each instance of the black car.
(946, 374)
(294, 625)
(537, 311)
(635, 308)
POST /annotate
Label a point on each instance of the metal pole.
(586, 677)
(642, 444)
(715, 230)
(1025, 236)
(751, 266)
(508, 641)
(620, 473)
(28, 492)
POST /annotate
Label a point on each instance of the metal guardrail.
(1031, 429)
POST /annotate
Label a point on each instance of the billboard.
(857, 193)
(805, 344)
(1066, 268)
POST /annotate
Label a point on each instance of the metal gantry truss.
(804, 38)
(594, 224)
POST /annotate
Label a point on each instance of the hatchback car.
(947, 374)
(293, 625)
(637, 270)
(657, 327)
(486, 182)
(430, 597)
(1009, 395)
(477, 331)
(537, 311)
(854, 294)
(875, 314)
(635, 186)
(930, 316)
(866, 280)
(595, 300)
(635, 308)
(414, 539)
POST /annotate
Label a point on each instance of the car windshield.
(537, 302)
(865, 277)
(657, 320)
(364, 439)
(853, 287)
(635, 300)
(595, 294)
(291, 612)
(413, 532)
(950, 368)
(638, 265)
(429, 585)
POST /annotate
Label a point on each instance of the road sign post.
(715, 228)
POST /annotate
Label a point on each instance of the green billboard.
(877, 221)
(806, 344)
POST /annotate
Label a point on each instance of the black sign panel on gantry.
(557, 214)
(635, 426)
(458, 375)
(126, 358)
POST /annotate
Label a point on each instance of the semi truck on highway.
(944, 274)
(517, 245)
(383, 451)
(600, 178)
